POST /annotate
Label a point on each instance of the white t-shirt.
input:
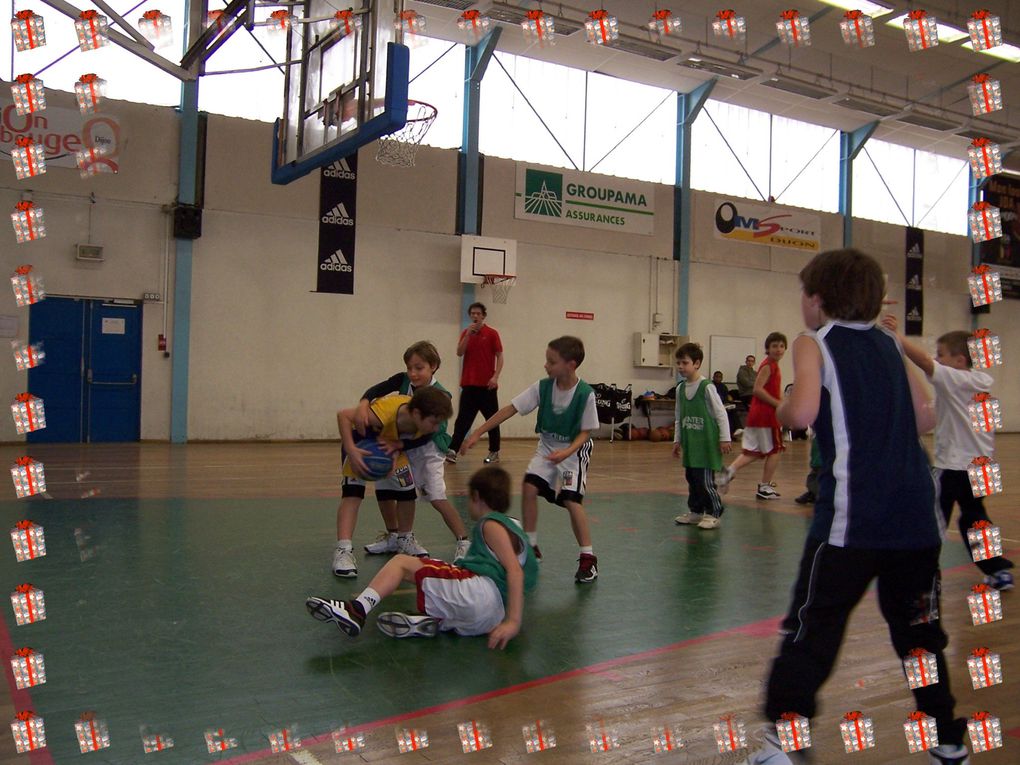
(956, 442)
(528, 402)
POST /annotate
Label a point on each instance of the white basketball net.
(500, 286)
(399, 149)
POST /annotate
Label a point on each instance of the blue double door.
(91, 380)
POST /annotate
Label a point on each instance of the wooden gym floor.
(175, 578)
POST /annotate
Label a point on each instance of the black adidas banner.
(1003, 254)
(338, 193)
(913, 309)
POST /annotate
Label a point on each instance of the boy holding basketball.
(955, 380)
(763, 438)
(400, 423)
(559, 470)
(703, 435)
(428, 461)
(482, 594)
(875, 516)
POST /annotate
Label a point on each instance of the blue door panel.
(113, 375)
(58, 323)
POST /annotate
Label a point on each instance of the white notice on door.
(113, 326)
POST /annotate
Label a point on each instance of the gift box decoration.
(29, 413)
(92, 30)
(90, 90)
(985, 286)
(284, 740)
(156, 742)
(985, 477)
(412, 739)
(664, 22)
(985, 157)
(921, 29)
(985, 222)
(29, 30)
(601, 28)
(27, 285)
(92, 734)
(538, 736)
(28, 221)
(985, 732)
(985, 349)
(280, 21)
(347, 21)
(921, 732)
(794, 732)
(985, 540)
(412, 24)
(29, 477)
(921, 668)
(27, 356)
(985, 604)
(794, 29)
(730, 734)
(29, 158)
(985, 668)
(28, 603)
(29, 94)
(94, 161)
(344, 741)
(666, 739)
(29, 541)
(157, 28)
(539, 26)
(217, 741)
(474, 23)
(985, 30)
(29, 732)
(728, 24)
(857, 29)
(601, 738)
(28, 668)
(474, 736)
(214, 18)
(985, 94)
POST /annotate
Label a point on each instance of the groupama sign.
(584, 199)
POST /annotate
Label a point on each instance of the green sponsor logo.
(543, 193)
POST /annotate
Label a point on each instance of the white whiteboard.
(727, 353)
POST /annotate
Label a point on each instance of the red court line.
(21, 699)
(761, 628)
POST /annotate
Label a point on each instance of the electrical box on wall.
(651, 350)
(92, 253)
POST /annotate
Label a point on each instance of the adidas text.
(336, 172)
(338, 220)
(330, 266)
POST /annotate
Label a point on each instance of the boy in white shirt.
(955, 380)
(559, 470)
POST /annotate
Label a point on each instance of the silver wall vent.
(877, 108)
(457, 5)
(642, 48)
(721, 68)
(797, 87)
(929, 121)
(510, 15)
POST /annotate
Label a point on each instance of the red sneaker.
(587, 568)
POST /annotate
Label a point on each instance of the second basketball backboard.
(346, 84)
(486, 256)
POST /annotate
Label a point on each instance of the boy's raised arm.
(497, 537)
(911, 350)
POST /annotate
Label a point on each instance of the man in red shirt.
(482, 351)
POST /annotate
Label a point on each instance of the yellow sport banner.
(769, 226)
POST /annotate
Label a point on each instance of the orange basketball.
(655, 434)
(639, 434)
(667, 434)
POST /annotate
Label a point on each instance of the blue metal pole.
(850, 145)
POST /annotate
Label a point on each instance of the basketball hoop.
(500, 284)
(398, 149)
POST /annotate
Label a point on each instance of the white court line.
(304, 757)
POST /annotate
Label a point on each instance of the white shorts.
(428, 467)
(761, 441)
(463, 601)
(567, 478)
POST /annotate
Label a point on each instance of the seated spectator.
(729, 401)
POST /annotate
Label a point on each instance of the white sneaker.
(462, 549)
(709, 522)
(344, 563)
(766, 750)
(409, 546)
(398, 625)
(689, 518)
(385, 543)
(948, 754)
(451, 456)
(493, 457)
(765, 491)
(722, 479)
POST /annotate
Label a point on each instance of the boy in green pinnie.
(702, 433)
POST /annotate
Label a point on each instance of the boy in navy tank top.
(875, 515)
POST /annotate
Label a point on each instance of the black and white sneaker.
(347, 616)
(1000, 580)
(398, 625)
(949, 754)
